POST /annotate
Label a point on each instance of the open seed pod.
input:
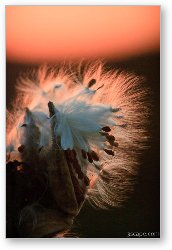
(73, 137)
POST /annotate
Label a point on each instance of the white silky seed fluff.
(81, 112)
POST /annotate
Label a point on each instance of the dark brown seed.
(91, 83)
(21, 149)
(86, 180)
(74, 161)
(116, 144)
(73, 153)
(70, 154)
(89, 157)
(113, 143)
(106, 129)
(78, 191)
(111, 140)
(84, 155)
(66, 154)
(24, 125)
(94, 156)
(110, 137)
(77, 168)
(109, 152)
(80, 175)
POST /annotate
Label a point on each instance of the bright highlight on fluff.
(100, 115)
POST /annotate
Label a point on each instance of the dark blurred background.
(142, 212)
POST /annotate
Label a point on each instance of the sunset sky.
(51, 33)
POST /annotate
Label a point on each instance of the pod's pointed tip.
(51, 108)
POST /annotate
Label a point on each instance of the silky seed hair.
(100, 121)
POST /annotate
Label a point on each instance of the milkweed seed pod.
(83, 127)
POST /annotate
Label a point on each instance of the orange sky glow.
(36, 34)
